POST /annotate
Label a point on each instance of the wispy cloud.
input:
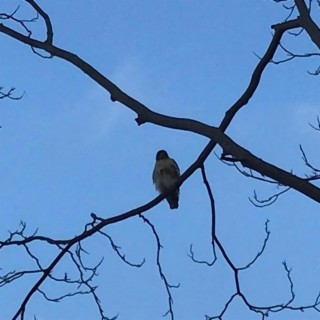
(107, 115)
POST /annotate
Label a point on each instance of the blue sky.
(67, 151)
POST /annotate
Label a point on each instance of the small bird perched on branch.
(165, 174)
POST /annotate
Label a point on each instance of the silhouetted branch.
(219, 317)
(122, 256)
(90, 229)
(307, 23)
(266, 229)
(162, 275)
(14, 275)
(9, 94)
(213, 223)
(232, 162)
(263, 311)
(86, 273)
(213, 210)
(261, 203)
(216, 135)
(58, 299)
(22, 22)
(290, 9)
(292, 55)
(288, 271)
(46, 19)
(315, 172)
(73, 247)
(315, 127)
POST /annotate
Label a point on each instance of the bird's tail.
(173, 199)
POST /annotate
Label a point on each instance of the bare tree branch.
(213, 223)
(261, 203)
(315, 172)
(122, 256)
(46, 19)
(73, 247)
(318, 124)
(9, 94)
(307, 23)
(167, 285)
(146, 115)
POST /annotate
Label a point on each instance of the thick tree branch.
(145, 114)
(250, 161)
(307, 23)
(216, 135)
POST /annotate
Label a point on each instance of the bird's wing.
(154, 174)
(174, 169)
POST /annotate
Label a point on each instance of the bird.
(165, 174)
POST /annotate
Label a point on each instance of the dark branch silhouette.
(232, 153)
(9, 94)
(167, 285)
(213, 223)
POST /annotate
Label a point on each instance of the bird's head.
(162, 154)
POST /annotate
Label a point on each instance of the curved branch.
(260, 252)
(167, 285)
(46, 19)
(95, 228)
(256, 76)
(146, 115)
(213, 222)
